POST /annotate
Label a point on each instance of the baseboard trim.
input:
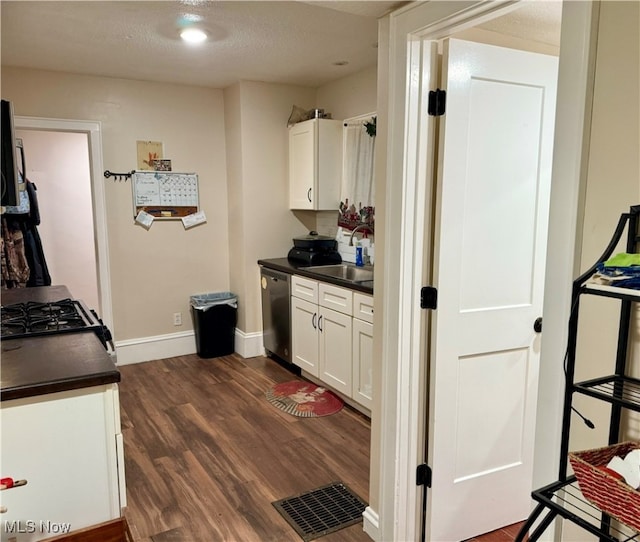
(247, 345)
(371, 523)
(156, 347)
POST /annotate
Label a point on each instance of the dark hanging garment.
(39, 275)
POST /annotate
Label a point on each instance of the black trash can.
(214, 322)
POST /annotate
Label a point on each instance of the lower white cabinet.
(68, 447)
(321, 337)
(362, 362)
(335, 349)
(332, 336)
(304, 335)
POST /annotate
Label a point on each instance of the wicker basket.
(609, 494)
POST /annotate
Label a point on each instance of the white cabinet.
(335, 349)
(304, 335)
(362, 358)
(332, 336)
(68, 446)
(362, 386)
(321, 336)
(315, 164)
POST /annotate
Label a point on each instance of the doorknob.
(537, 325)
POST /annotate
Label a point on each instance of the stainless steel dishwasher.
(276, 313)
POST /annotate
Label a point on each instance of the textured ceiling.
(534, 20)
(285, 42)
(291, 42)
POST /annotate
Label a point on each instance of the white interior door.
(494, 173)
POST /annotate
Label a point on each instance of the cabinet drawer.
(336, 298)
(363, 307)
(303, 288)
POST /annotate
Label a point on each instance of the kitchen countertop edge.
(285, 266)
(46, 388)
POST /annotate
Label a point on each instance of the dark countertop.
(40, 294)
(47, 364)
(284, 265)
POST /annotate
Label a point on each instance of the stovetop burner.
(36, 319)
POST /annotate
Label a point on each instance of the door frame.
(93, 130)
(401, 386)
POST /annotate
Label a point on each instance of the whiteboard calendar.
(165, 194)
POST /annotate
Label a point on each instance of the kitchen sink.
(348, 272)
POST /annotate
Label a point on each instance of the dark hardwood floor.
(206, 454)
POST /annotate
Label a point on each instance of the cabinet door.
(303, 167)
(315, 164)
(304, 335)
(362, 362)
(335, 349)
(329, 165)
(72, 484)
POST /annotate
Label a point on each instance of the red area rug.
(303, 399)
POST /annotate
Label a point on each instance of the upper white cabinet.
(315, 164)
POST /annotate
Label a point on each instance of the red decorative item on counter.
(606, 491)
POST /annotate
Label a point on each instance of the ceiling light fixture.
(193, 35)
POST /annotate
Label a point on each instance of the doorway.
(58, 165)
(64, 160)
(401, 366)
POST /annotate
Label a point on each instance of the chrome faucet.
(360, 227)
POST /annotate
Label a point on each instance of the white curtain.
(357, 179)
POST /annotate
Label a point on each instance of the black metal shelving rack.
(563, 498)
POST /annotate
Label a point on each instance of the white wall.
(350, 96)
(260, 222)
(613, 185)
(153, 272)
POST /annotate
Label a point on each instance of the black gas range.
(33, 319)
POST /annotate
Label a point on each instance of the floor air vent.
(321, 511)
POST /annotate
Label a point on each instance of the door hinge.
(437, 102)
(423, 475)
(428, 298)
